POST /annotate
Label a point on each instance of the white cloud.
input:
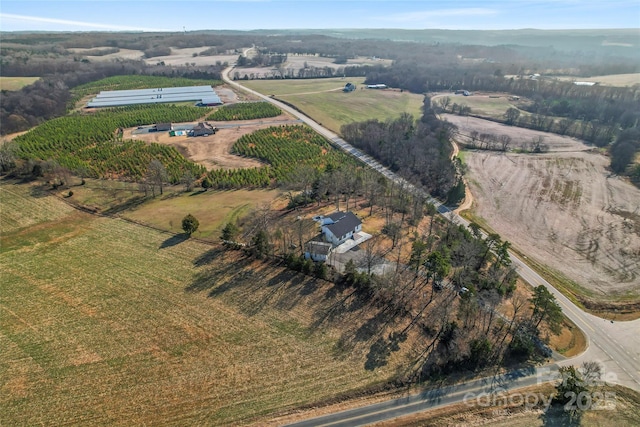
(9, 20)
(426, 15)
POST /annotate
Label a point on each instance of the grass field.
(16, 83)
(484, 105)
(324, 101)
(213, 209)
(621, 80)
(103, 322)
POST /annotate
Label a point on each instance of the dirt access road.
(214, 151)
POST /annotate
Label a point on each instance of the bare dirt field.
(296, 62)
(520, 137)
(183, 56)
(214, 151)
(566, 211)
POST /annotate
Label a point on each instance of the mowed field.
(104, 322)
(16, 83)
(324, 100)
(213, 209)
(621, 80)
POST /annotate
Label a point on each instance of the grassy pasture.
(213, 209)
(621, 80)
(16, 83)
(103, 322)
(324, 100)
(485, 106)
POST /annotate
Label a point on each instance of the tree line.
(418, 151)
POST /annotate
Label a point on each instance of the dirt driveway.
(214, 151)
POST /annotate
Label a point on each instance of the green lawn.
(324, 101)
(485, 106)
(213, 209)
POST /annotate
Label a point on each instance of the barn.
(202, 95)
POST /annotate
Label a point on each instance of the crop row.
(245, 111)
(93, 145)
(284, 148)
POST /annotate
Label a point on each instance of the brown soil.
(565, 210)
(214, 151)
(520, 137)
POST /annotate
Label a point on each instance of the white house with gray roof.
(339, 227)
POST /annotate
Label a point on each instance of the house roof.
(319, 248)
(343, 222)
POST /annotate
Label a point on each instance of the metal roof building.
(155, 96)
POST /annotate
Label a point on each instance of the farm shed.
(317, 251)
(117, 98)
(202, 129)
(162, 127)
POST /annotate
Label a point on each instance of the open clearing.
(520, 137)
(565, 211)
(106, 322)
(213, 209)
(214, 151)
(324, 100)
(562, 209)
(621, 80)
(16, 83)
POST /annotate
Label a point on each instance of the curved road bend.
(614, 345)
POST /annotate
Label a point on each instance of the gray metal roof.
(154, 96)
(345, 223)
(155, 91)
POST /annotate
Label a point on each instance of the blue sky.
(164, 15)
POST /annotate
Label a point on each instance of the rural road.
(616, 346)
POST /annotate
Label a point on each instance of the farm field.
(565, 211)
(107, 322)
(622, 80)
(520, 137)
(213, 209)
(16, 83)
(324, 100)
(484, 105)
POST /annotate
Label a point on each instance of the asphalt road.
(616, 346)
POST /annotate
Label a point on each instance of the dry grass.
(16, 83)
(565, 212)
(106, 322)
(213, 209)
(621, 80)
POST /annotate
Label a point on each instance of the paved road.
(614, 345)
